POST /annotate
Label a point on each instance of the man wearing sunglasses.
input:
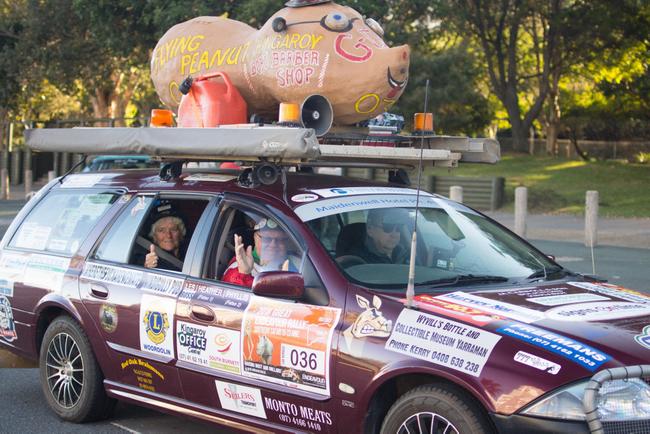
(383, 233)
(269, 253)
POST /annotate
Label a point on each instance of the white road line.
(125, 428)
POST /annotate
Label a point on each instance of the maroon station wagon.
(497, 337)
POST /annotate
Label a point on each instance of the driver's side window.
(265, 245)
(251, 243)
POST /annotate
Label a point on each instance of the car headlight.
(617, 400)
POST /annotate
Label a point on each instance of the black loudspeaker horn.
(316, 112)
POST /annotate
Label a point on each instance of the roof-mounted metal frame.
(254, 143)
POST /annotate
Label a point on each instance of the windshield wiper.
(479, 278)
(464, 278)
(545, 272)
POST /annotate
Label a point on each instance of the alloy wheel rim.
(427, 423)
(65, 370)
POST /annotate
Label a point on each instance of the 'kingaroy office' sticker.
(288, 343)
(537, 362)
(212, 347)
(157, 325)
(442, 341)
(643, 338)
(7, 324)
(582, 354)
(241, 399)
(507, 310)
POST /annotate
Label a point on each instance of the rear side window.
(61, 221)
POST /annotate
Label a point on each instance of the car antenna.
(410, 286)
(82, 161)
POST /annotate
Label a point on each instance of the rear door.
(134, 307)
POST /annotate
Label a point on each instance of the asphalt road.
(622, 266)
(24, 410)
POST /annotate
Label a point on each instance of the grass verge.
(558, 186)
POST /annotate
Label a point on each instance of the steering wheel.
(347, 261)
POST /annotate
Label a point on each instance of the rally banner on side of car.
(288, 344)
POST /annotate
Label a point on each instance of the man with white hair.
(269, 253)
(167, 233)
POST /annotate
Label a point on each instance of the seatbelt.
(143, 242)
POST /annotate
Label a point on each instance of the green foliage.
(457, 106)
(642, 158)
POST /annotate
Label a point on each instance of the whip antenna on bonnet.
(410, 286)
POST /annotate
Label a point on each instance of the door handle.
(202, 313)
(99, 291)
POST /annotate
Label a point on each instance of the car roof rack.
(286, 146)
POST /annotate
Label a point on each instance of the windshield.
(370, 237)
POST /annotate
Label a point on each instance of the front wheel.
(69, 373)
(434, 409)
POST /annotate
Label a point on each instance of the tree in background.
(498, 29)
(457, 105)
(11, 26)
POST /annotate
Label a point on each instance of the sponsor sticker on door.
(240, 399)
(442, 341)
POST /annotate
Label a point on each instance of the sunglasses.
(391, 227)
(271, 240)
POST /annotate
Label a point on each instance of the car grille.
(596, 410)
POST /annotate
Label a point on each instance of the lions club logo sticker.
(156, 325)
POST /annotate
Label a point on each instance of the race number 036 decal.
(302, 358)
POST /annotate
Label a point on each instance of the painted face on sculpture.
(325, 49)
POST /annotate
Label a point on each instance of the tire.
(71, 379)
(449, 411)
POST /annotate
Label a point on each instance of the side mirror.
(280, 284)
(551, 257)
